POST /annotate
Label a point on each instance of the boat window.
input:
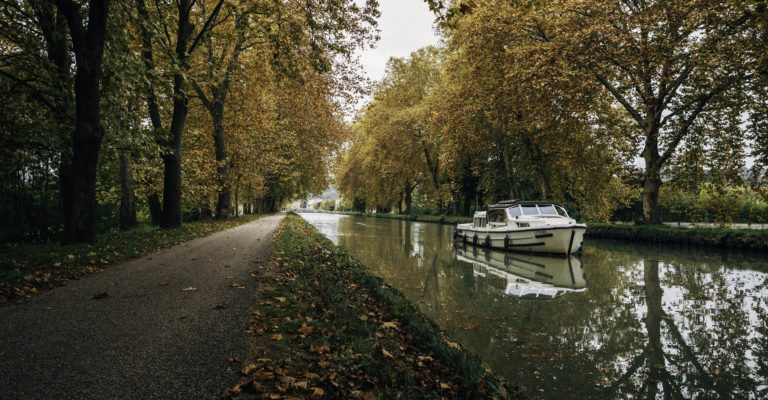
(530, 210)
(496, 216)
(514, 212)
(561, 211)
(549, 210)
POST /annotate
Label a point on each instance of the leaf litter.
(310, 340)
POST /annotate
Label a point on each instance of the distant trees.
(262, 79)
(591, 102)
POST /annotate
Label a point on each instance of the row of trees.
(171, 105)
(589, 102)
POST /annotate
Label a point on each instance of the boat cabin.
(478, 221)
(500, 213)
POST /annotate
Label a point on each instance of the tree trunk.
(467, 204)
(205, 208)
(155, 208)
(237, 192)
(651, 186)
(65, 188)
(652, 178)
(537, 162)
(172, 158)
(408, 198)
(127, 200)
(54, 28)
(510, 172)
(88, 44)
(224, 203)
(171, 216)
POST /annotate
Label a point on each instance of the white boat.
(525, 275)
(530, 226)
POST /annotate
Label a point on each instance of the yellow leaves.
(319, 349)
(305, 330)
(237, 285)
(390, 325)
(386, 353)
(277, 336)
(163, 283)
(248, 369)
(189, 289)
(467, 325)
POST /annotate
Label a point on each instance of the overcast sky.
(406, 26)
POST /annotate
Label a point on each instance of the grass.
(712, 237)
(30, 268)
(441, 219)
(326, 327)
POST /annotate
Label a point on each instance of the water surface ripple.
(625, 320)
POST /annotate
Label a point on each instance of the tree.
(394, 149)
(296, 34)
(88, 36)
(665, 62)
(525, 128)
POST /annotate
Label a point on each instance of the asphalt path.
(143, 340)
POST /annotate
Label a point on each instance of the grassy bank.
(28, 269)
(441, 219)
(711, 237)
(325, 327)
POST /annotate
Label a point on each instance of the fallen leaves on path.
(163, 283)
(189, 289)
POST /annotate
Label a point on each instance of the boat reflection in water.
(525, 275)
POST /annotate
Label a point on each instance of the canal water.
(624, 320)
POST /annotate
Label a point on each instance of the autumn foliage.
(588, 102)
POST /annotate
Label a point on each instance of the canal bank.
(686, 321)
(326, 327)
(725, 238)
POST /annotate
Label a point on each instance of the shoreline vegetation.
(720, 237)
(326, 327)
(30, 268)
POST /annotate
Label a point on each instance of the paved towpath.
(143, 340)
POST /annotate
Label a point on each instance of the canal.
(624, 320)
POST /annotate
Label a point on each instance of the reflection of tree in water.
(669, 367)
(692, 326)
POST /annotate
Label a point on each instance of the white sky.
(406, 26)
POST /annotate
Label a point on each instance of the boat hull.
(557, 239)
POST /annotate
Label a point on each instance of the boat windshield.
(514, 212)
(530, 210)
(548, 210)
